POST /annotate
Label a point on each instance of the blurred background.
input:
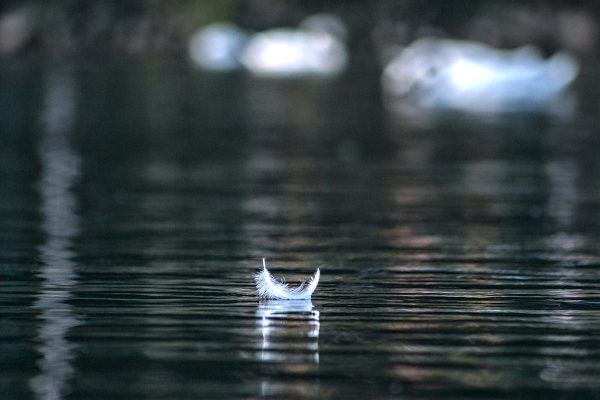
(437, 160)
(162, 29)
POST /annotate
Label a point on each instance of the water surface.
(458, 260)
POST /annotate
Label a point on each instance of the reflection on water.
(60, 224)
(290, 338)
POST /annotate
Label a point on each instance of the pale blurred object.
(438, 74)
(578, 30)
(16, 30)
(315, 48)
(217, 47)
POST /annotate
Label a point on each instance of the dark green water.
(458, 261)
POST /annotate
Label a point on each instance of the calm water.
(458, 260)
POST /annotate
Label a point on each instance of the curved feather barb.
(269, 287)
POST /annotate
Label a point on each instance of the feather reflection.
(290, 339)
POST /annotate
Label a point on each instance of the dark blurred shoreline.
(153, 29)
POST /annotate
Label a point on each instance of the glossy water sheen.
(458, 261)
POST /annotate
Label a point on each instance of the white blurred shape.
(60, 171)
(217, 47)
(469, 76)
(315, 48)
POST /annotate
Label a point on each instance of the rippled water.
(458, 260)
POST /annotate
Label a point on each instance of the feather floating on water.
(270, 288)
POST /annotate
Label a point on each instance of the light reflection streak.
(60, 170)
(563, 196)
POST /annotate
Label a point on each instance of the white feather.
(270, 288)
